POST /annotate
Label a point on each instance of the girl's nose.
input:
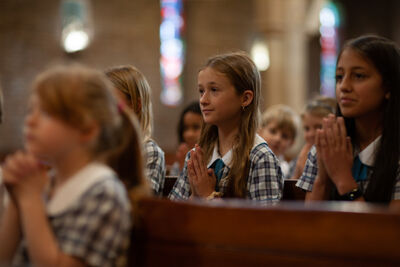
(30, 119)
(344, 85)
(204, 99)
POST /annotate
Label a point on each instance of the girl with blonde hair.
(79, 214)
(133, 87)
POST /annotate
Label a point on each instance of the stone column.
(283, 25)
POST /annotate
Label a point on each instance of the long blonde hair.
(243, 74)
(78, 95)
(131, 82)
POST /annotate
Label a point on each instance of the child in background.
(231, 160)
(78, 214)
(312, 117)
(133, 87)
(189, 130)
(356, 155)
(278, 128)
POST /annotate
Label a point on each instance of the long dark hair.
(194, 107)
(385, 56)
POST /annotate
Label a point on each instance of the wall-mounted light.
(260, 54)
(76, 33)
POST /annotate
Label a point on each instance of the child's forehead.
(280, 125)
(312, 116)
(211, 75)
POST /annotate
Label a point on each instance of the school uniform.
(90, 217)
(264, 182)
(362, 169)
(155, 166)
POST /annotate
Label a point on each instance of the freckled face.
(219, 101)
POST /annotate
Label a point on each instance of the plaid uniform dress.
(155, 166)
(306, 181)
(264, 181)
(94, 223)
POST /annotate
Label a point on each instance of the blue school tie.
(218, 167)
(359, 170)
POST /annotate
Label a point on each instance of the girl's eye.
(272, 130)
(359, 76)
(201, 91)
(339, 77)
(306, 128)
(213, 89)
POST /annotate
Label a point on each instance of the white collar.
(71, 191)
(367, 156)
(227, 158)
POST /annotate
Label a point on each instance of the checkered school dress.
(155, 166)
(306, 181)
(95, 228)
(264, 182)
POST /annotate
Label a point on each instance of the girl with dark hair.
(356, 154)
(189, 129)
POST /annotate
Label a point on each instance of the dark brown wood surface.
(291, 191)
(169, 184)
(242, 234)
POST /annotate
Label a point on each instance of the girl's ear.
(387, 95)
(247, 98)
(89, 133)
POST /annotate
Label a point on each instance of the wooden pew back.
(242, 234)
(290, 191)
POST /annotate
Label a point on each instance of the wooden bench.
(290, 190)
(241, 234)
(169, 184)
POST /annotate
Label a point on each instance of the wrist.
(346, 185)
(207, 193)
(214, 195)
(26, 202)
(354, 194)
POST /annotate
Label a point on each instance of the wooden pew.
(290, 190)
(243, 234)
(169, 184)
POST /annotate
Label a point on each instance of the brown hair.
(321, 106)
(283, 116)
(78, 95)
(243, 74)
(131, 82)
